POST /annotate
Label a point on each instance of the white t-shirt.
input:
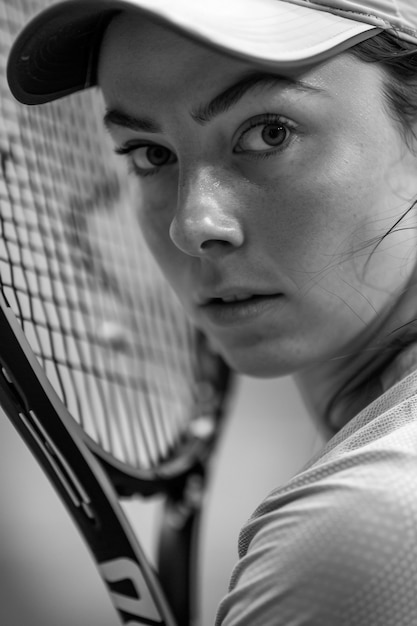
(337, 546)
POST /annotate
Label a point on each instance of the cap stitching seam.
(375, 19)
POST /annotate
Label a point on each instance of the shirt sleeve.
(338, 550)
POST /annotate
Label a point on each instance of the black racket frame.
(88, 485)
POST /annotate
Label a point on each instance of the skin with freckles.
(266, 209)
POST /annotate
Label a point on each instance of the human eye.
(146, 159)
(263, 135)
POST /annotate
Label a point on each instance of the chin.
(258, 365)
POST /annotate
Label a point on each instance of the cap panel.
(394, 15)
(270, 31)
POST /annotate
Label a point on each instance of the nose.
(207, 219)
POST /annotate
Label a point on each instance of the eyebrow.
(218, 105)
(254, 81)
(115, 117)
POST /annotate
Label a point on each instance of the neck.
(337, 390)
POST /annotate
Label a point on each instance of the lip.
(240, 311)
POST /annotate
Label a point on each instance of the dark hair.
(399, 59)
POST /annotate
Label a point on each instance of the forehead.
(139, 52)
(145, 63)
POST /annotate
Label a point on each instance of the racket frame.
(56, 441)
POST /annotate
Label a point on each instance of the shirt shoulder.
(338, 544)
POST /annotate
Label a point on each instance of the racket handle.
(178, 550)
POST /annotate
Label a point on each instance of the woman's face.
(264, 196)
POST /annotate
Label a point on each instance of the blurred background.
(46, 575)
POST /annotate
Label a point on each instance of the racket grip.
(178, 549)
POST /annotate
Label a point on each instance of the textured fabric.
(397, 15)
(337, 546)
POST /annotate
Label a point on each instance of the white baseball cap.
(56, 53)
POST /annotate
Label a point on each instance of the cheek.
(155, 214)
(322, 211)
(304, 220)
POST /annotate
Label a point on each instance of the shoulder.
(338, 545)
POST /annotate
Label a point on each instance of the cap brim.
(56, 53)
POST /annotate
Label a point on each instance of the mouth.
(229, 296)
(232, 298)
(238, 308)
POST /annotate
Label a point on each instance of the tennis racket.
(111, 388)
